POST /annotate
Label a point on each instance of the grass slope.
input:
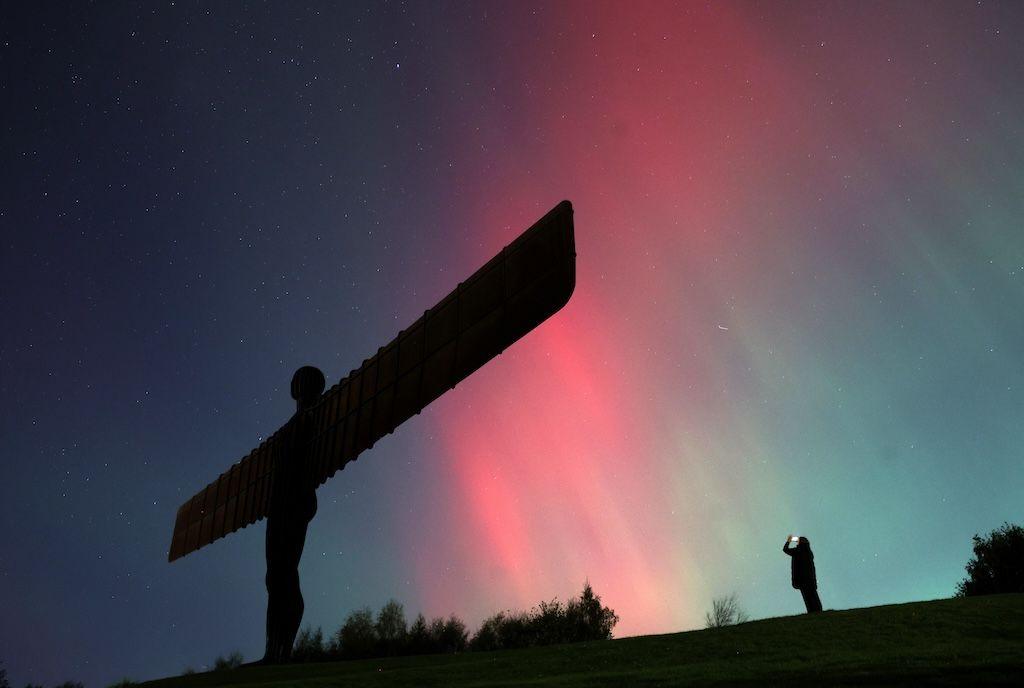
(976, 641)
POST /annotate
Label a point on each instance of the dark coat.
(802, 564)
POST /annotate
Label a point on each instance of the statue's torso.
(293, 493)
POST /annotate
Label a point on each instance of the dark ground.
(974, 641)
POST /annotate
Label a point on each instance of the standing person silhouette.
(292, 507)
(804, 578)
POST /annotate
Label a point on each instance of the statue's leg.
(291, 616)
(294, 609)
(273, 581)
(273, 604)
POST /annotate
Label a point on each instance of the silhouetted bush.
(997, 565)
(309, 646)
(725, 611)
(124, 683)
(4, 683)
(551, 624)
(232, 661)
(70, 684)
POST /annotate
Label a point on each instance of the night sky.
(798, 306)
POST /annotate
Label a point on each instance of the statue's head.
(307, 385)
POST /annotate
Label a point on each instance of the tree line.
(364, 635)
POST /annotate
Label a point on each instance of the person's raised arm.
(785, 545)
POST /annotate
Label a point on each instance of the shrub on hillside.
(725, 611)
(232, 661)
(551, 624)
(997, 565)
(309, 646)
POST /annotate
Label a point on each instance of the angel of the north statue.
(514, 292)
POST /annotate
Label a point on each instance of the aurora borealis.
(799, 283)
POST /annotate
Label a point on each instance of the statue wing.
(522, 286)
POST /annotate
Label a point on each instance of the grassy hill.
(975, 641)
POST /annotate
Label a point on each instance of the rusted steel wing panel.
(527, 282)
(220, 508)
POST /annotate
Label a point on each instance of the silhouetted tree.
(4, 683)
(417, 640)
(997, 565)
(309, 646)
(725, 611)
(391, 629)
(124, 683)
(488, 636)
(70, 684)
(357, 638)
(592, 621)
(450, 635)
(550, 624)
(515, 629)
(435, 630)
